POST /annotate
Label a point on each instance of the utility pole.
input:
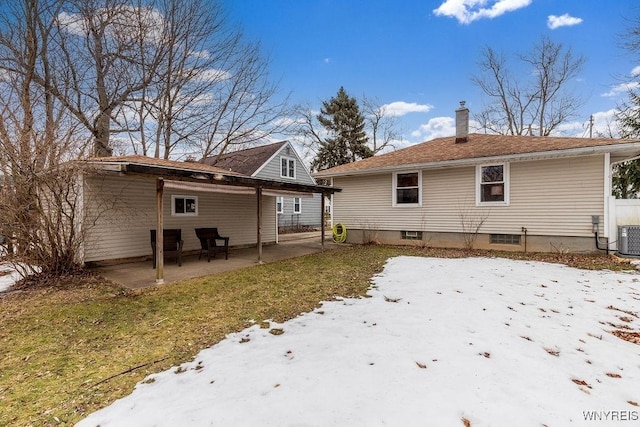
(591, 126)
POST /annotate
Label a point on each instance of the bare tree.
(244, 106)
(534, 105)
(626, 175)
(308, 130)
(40, 199)
(170, 113)
(213, 89)
(110, 51)
(382, 126)
(471, 221)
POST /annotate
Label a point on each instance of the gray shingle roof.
(246, 161)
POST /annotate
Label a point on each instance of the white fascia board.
(278, 153)
(273, 156)
(108, 166)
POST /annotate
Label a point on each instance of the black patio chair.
(209, 238)
(172, 244)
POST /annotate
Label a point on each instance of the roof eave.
(213, 176)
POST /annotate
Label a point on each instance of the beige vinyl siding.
(366, 202)
(122, 210)
(549, 197)
(553, 197)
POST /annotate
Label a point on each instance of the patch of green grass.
(70, 348)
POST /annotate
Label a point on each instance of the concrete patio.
(137, 275)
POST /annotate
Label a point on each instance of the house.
(521, 193)
(123, 198)
(277, 161)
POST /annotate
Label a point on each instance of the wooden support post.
(259, 225)
(322, 220)
(159, 232)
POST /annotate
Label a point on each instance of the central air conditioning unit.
(629, 239)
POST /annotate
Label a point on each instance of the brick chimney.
(462, 123)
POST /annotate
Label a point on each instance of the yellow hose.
(339, 233)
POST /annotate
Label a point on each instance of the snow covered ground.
(8, 276)
(441, 342)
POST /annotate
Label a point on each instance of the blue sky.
(419, 56)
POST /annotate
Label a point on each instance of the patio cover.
(201, 177)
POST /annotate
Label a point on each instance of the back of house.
(501, 192)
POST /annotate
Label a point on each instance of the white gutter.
(538, 155)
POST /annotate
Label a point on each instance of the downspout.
(524, 230)
(595, 224)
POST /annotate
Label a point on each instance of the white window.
(184, 205)
(297, 205)
(287, 167)
(407, 188)
(279, 205)
(492, 184)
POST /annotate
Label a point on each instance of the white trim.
(289, 160)
(394, 194)
(608, 197)
(506, 182)
(270, 159)
(81, 208)
(331, 222)
(299, 211)
(276, 219)
(185, 197)
(294, 153)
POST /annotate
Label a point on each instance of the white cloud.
(565, 20)
(150, 22)
(604, 125)
(467, 11)
(400, 108)
(202, 54)
(435, 128)
(213, 75)
(73, 23)
(621, 88)
(636, 71)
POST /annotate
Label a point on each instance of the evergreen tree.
(626, 176)
(347, 140)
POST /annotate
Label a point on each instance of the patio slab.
(137, 275)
